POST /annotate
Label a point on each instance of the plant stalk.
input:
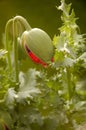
(7, 44)
(15, 49)
(14, 28)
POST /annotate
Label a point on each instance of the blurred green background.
(40, 13)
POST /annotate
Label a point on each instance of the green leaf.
(10, 97)
(68, 62)
(83, 57)
(65, 8)
(27, 88)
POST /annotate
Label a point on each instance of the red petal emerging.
(34, 57)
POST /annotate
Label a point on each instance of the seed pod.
(38, 45)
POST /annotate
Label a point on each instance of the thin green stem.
(18, 20)
(15, 47)
(14, 28)
(7, 44)
(23, 22)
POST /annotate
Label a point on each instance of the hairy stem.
(14, 29)
(7, 44)
(15, 49)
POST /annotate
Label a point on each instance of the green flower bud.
(39, 43)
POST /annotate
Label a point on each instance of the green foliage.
(51, 98)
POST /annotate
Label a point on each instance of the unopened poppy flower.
(38, 46)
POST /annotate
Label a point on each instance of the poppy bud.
(38, 45)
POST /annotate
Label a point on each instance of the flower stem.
(14, 29)
(15, 49)
(7, 44)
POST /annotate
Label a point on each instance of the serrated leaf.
(28, 79)
(80, 106)
(25, 94)
(60, 42)
(65, 8)
(10, 97)
(83, 57)
(68, 62)
(28, 84)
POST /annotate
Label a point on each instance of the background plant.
(52, 98)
